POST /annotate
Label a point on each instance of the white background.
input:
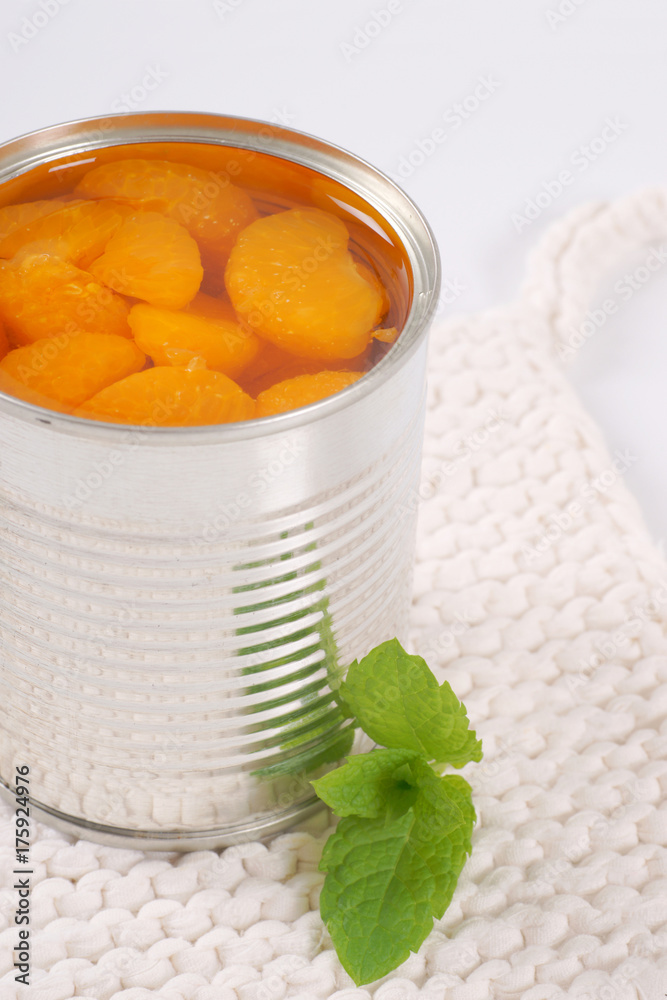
(556, 70)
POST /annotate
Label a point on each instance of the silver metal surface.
(179, 604)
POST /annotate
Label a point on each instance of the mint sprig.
(393, 863)
(398, 702)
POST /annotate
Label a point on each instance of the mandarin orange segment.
(386, 335)
(69, 369)
(371, 277)
(151, 257)
(206, 203)
(13, 217)
(171, 397)
(292, 279)
(43, 296)
(302, 390)
(269, 360)
(273, 365)
(77, 232)
(207, 328)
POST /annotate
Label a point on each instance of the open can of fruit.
(184, 585)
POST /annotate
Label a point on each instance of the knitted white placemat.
(540, 596)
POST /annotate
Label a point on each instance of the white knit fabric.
(540, 597)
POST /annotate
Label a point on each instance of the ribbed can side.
(174, 633)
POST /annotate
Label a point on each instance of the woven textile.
(540, 597)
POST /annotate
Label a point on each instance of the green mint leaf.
(399, 704)
(370, 784)
(388, 877)
(445, 818)
(376, 898)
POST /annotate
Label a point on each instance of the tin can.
(179, 605)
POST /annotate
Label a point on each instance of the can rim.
(169, 840)
(21, 154)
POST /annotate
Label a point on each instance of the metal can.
(179, 604)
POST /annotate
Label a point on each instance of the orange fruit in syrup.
(371, 277)
(69, 369)
(291, 278)
(207, 328)
(304, 320)
(13, 217)
(43, 296)
(171, 397)
(273, 365)
(77, 232)
(206, 203)
(302, 391)
(386, 335)
(151, 257)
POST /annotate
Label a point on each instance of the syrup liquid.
(274, 183)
